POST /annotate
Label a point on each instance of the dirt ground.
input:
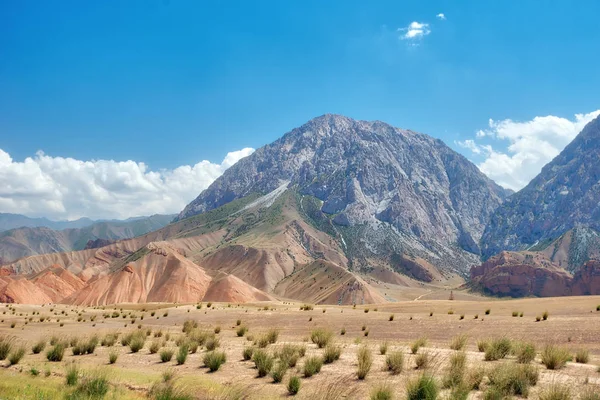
(573, 322)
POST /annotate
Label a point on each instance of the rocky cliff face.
(372, 175)
(564, 195)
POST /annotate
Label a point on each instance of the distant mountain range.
(327, 213)
(27, 241)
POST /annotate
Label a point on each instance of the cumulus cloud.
(530, 146)
(66, 188)
(415, 30)
(441, 16)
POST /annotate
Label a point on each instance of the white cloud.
(415, 30)
(441, 16)
(531, 145)
(66, 188)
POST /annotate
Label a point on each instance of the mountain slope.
(566, 194)
(24, 242)
(389, 191)
(12, 221)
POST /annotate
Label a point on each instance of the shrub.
(279, 371)
(545, 315)
(582, 356)
(365, 361)
(488, 311)
(417, 344)
(182, 354)
(459, 342)
(217, 329)
(272, 335)
(482, 345)
(383, 348)
(293, 385)
(72, 374)
(366, 333)
(343, 331)
(554, 357)
(555, 392)
(538, 318)
(515, 313)
(109, 340)
(455, 371)
(166, 355)
(16, 355)
(6, 344)
(366, 310)
(247, 353)
(113, 356)
(56, 353)
(462, 316)
(498, 349)
(321, 337)
(381, 392)
(332, 353)
(39, 346)
(263, 362)
(238, 322)
(395, 362)
(241, 330)
(214, 359)
(422, 360)
(391, 317)
(525, 353)
(312, 365)
(189, 325)
(423, 387)
(137, 343)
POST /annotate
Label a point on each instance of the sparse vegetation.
(312, 366)
(395, 362)
(39, 346)
(293, 385)
(383, 348)
(214, 359)
(423, 387)
(241, 330)
(554, 357)
(417, 344)
(166, 355)
(512, 380)
(332, 353)
(56, 353)
(582, 356)
(498, 349)
(556, 391)
(6, 345)
(455, 372)
(321, 337)
(381, 392)
(16, 355)
(263, 362)
(72, 374)
(113, 355)
(247, 353)
(525, 352)
(459, 342)
(422, 360)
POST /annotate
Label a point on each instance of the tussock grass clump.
(423, 387)
(474, 378)
(72, 374)
(381, 392)
(312, 366)
(109, 339)
(113, 356)
(515, 313)
(182, 354)
(488, 311)
(241, 330)
(417, 344)
(422, 360)
(94, 385)
(212, 343)
(166, 355)
(545, 315)
(293, 385)
(512, 379)
(459, 342)
(455, 372)
(482, 345)
(383, 348)
(278, 372)
(307, 307)
(214, 359)
(554, 357)
(154, 346)
(332, 353)
(391, 318)
(555, 391)
(39, 346)
(321, 337)
(343, 331)
(395, 362)
(16, 355)
(582, 356)
(498, 349)
(137, 343)
(6, 345)
(56, 353)
(168, 390)
(247, 353)
(365, 361)
(217, 329)
(263, 362)
(525, 352)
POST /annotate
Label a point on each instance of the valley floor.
(573, 323)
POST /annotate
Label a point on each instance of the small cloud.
(415, 30)
(441, 16)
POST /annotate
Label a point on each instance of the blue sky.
(171, 83)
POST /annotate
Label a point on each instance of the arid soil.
(573, 322)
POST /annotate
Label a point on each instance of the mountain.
(12, 221)
(28, 241)
(383, 192)
(565, 195)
